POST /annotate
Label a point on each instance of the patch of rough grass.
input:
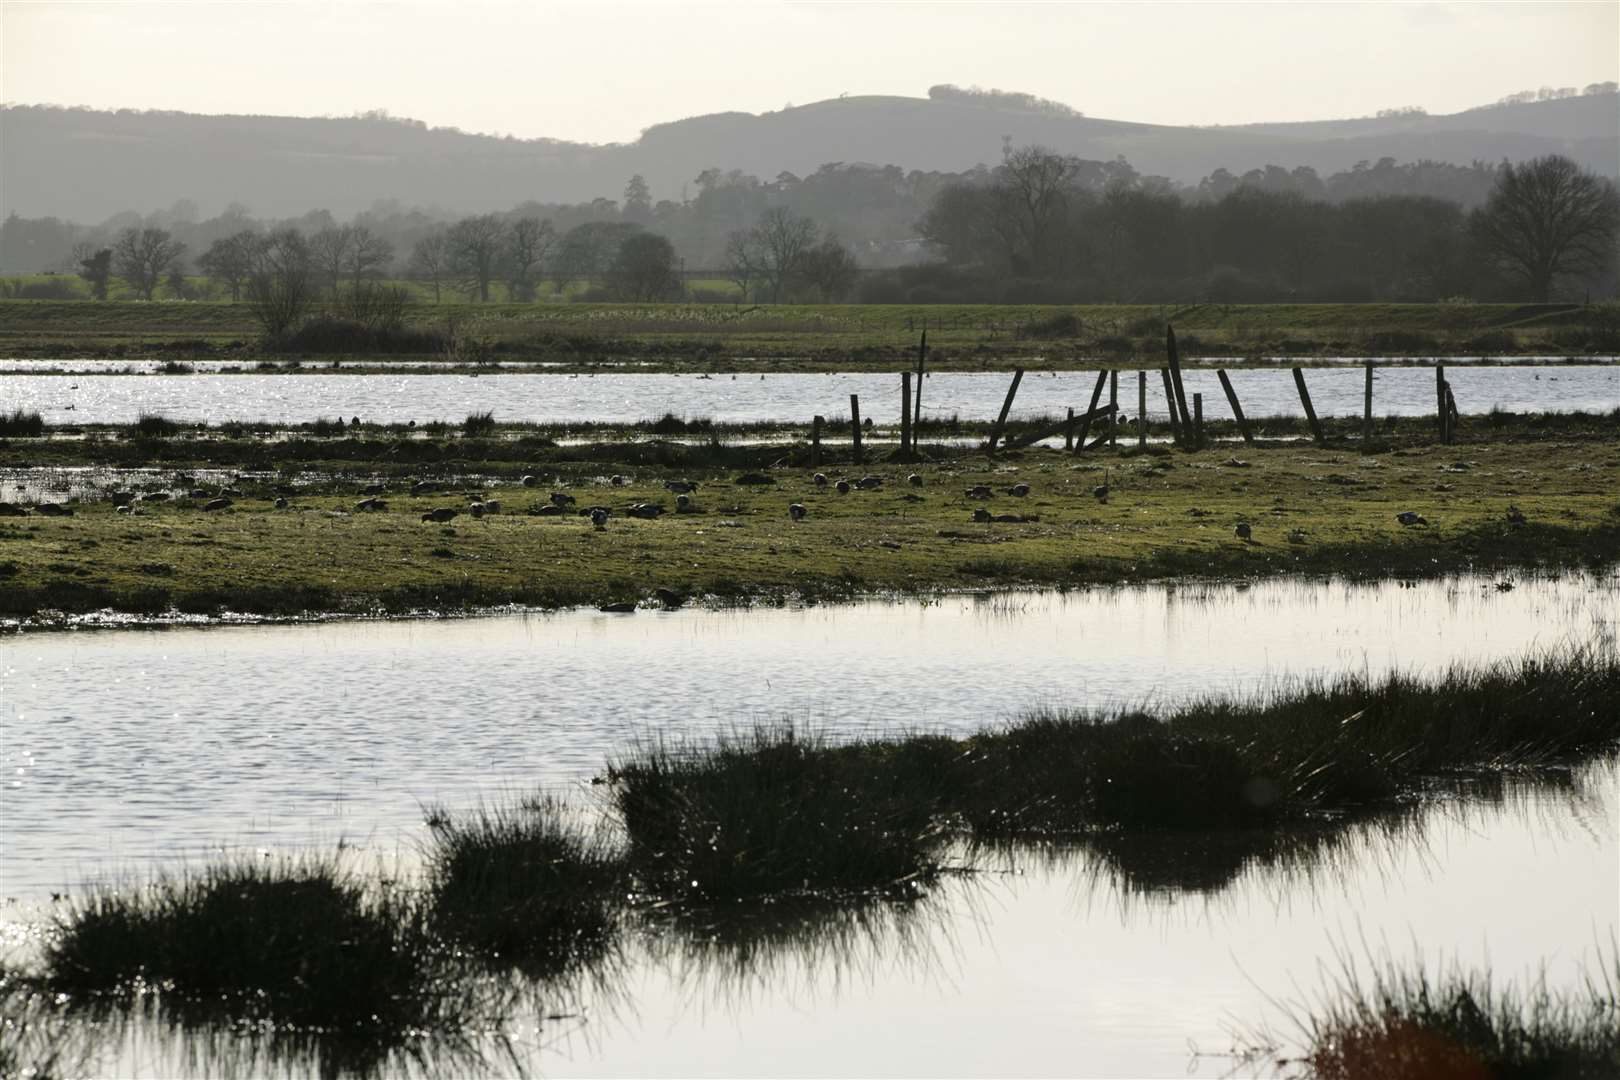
(1409, 1023)
(773, 811)
(526, 886)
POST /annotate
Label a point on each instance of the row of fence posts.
(1186, 425)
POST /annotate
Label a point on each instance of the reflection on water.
(623, 398)
(1057, 960)
(127, 749)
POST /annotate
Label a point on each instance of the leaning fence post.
(1452, 415)
(1310, 413)
(905, 412)
(1085, 421)
(1440, 399)
(1113, 401)
(1170, 396)
(1141, 410)
(815, 439)
(1366, 406)
(1237, 410)
(1180, 402)
(1198, 421)
(855, 424)
(1006, 407)
(922, 355)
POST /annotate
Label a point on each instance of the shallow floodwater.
(123, 751)
(626, 398)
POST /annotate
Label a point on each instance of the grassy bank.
(817, 337)
(1166, 514)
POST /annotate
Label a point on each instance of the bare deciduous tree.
(282, 285)
(430, 261)
(476, 245)
(1548, 218)
(369, 255)
(743, 260)
(527, 243)
(329, 254)
(782, 240)
(229, 261)
(142, 257)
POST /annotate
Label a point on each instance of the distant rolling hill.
(86, 165)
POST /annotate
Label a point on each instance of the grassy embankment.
(1167, 513)
(826, 337)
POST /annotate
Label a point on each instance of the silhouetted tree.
(476, 244)
(282, 285)
(229, 260)
(430, 260)
(527, 243)
(782, 240)
(1548, 218)
(637, 200)
(830, 269)
(643, 269)
(329, 253)
(585, 251)
(142, 257)
(369, 255)
(95, 266)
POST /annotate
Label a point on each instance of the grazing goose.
(982, 491)
(843, 487)
(424, 487)
(1019, 490)
(281, 503)
(914, 480)
(869, 483)
(683, 503)
(559, 498)
(374, 489)
(441, 514)
(1411, 517)
(680, 487)
(221, 503)
(645, 511)
(1243, 532)
(599, 517)
(364, 505)
(1100, 492)
(531, 481)
(1515, 516)
(981, 514)
(616, 480)
(820, 479)
(476, 509)
(53, 510)
(796, 511)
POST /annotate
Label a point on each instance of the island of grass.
(295, 533)
(799, 337)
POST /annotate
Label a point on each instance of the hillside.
(86, 165)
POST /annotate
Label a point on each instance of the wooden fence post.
(1113, 400)
(905, 412)
(1198, 421)
(1068, 431)
(922, 355)
(1006, 407)
(1141, 410)
(1440, 402)
(855, 423)
(1310, 413)
(1170, 396)
(1366, 406)
(1180, 402)
(1237, 410)
(815, 438)
(1085, 421)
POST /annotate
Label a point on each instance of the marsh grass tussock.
(23, 424)
(772, 811)
(527, 885)
(1413, 1023)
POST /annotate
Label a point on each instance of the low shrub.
(21, 424)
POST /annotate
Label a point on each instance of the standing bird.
(1411, 517)
(599, 517)
(1243, 532)
(680, 487)
(683, 503)
(1100, 492)
(820, 479)
(558, 498)
(796, 511)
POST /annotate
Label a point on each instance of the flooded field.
(129, 751)
(615, 398)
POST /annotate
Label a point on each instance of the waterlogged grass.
(527, 887)
(811, 337)
(1310, 510)
(767, 813)
(1411, 1023)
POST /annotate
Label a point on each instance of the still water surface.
(624, 398)
(127, 750)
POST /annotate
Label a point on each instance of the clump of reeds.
(21, 424)
(769, 812)
(1413, 1025)
(526, 886)
(294, 942)
(478, 424)
(155, 426)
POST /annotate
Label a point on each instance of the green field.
(1166, 515)
(819, 337)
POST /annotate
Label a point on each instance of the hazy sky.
(600, 72)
